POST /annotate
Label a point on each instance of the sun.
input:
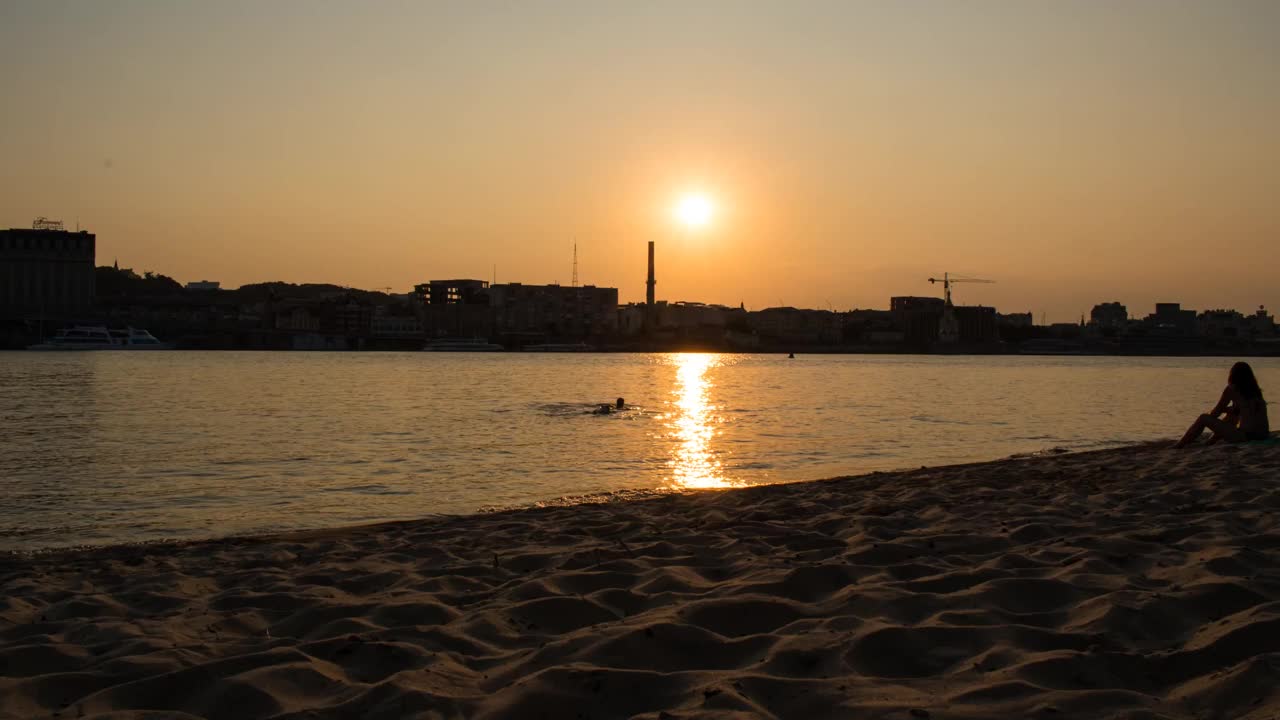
(695, 210)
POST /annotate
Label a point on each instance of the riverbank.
(1139, 582)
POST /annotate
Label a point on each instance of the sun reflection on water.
(692, 424)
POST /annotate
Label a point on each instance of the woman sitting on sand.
(1243, 411)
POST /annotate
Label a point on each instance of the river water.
(113, 447)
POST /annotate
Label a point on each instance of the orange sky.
(1073, 152)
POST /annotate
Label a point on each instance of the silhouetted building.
(296, 317)
(556, 311)
(458, 320)
(203, 285)
(977, 323)
(1017, 320)
(46, 270)
(874, 327)
(1261, 324)
(1111, 315)
(345, 317)
(631, 318)
(1171, 319)
(388, 323)
(921, 326)
(690, 322)
(801, 327)
(908, 303)
(350, 319)
(1064, 330)
(919, 318)
(1231, 324)
(688, 315)
(453, 292)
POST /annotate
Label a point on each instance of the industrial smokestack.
(648, 298)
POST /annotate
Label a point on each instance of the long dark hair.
(1241, 378)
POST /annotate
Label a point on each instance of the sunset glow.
(850, 152)
(695, 211)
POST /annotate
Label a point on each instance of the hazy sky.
(1074, 152)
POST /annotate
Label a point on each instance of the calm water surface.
(123, 447)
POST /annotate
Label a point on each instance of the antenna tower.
(575, 265)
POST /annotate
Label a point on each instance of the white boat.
(98, 337)
(458, 345)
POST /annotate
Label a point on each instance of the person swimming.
(1241, 412)
(606, 409)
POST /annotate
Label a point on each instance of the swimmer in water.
(607, 409)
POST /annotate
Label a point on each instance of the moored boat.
(98, 337)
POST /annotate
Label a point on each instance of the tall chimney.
(648, 297)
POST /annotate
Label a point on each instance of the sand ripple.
(1131, 583)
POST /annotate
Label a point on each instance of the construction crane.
(948, 279)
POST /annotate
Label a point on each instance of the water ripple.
(128, 447)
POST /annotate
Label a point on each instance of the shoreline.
(1130, 582)
(603, 497)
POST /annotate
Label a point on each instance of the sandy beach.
(1132, 583)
